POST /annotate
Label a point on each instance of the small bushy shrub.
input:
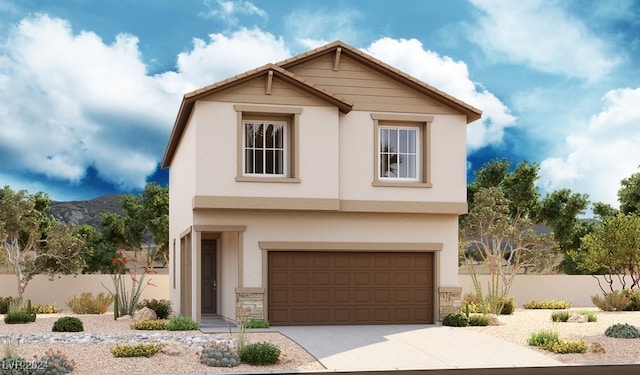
(547, 305)
(150, 325)
(478, 320)
(634, 299)
(219, 355)
(54, 362)
(455, 320)
(182, 323)
(566, 346)
(135, 350)
(88, 304)
(259, 353)
(622, 331)
(14, 366)
(471, 303)
(45, 309)
(68, 324)
(560, 316)
(18, 313)
(543, 337)
(161, 307)
(257, 323)
(4, 304)
(612, 301)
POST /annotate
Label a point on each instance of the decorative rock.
(493, 320)
(171, 348)
(144, 313)
(577, 318)
(596, 347)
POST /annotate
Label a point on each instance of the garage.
(340, 288)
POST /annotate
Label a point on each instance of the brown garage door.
(331, 288)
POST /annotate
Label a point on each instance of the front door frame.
(205, 309)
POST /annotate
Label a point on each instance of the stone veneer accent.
(249, 304)
(450, 300)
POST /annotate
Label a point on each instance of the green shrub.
(182, 323)
(455, 320)
(4, 304)
(46, 309)
(622, 331)
(508, 306)
(259, 353)
(547, 305)
(257, 323)
(634, 299)
(219, 355)
(18, 313)
(478, 320)
(566, 346)
(161, 307)
(54, 362)
(543, 338)
(88, 304)
(560, 316)
(135, 350)
(612, 301)
(591, 316)
(14, 366)
(150, 325)
(68, 324)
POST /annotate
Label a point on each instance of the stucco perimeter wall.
(43, 291)
(577, 289)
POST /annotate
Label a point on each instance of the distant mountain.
(86, 212)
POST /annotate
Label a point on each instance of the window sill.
(268, 179)
(408, 184)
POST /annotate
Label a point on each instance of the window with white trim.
(398, 153)
(401, 150)
(265, 148)
(267, 143)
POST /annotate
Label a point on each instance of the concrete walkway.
(410, 347)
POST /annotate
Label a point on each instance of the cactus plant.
(219, 355)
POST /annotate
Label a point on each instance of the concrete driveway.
(410, 347)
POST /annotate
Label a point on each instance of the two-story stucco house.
(324, 189)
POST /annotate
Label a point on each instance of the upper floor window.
(265, 148)
(398, 153)
(401, 144)
(268, 143)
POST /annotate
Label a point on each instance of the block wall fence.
(576, 289)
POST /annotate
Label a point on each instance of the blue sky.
(90, 88)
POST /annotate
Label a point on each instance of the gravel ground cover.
(90, 349)
(518, 327)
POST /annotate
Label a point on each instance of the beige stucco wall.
(43, 291)
(228, 272)
(182, 188)
(447, 161)
(217, 162)
(338, 227)
(577, 289)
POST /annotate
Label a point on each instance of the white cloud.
(596, 159)
(452, 77)
(225, 56)
(64, 93)
(332, 24)
(541, 35)
(228, 11)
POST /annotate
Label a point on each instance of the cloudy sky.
(89, 89)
